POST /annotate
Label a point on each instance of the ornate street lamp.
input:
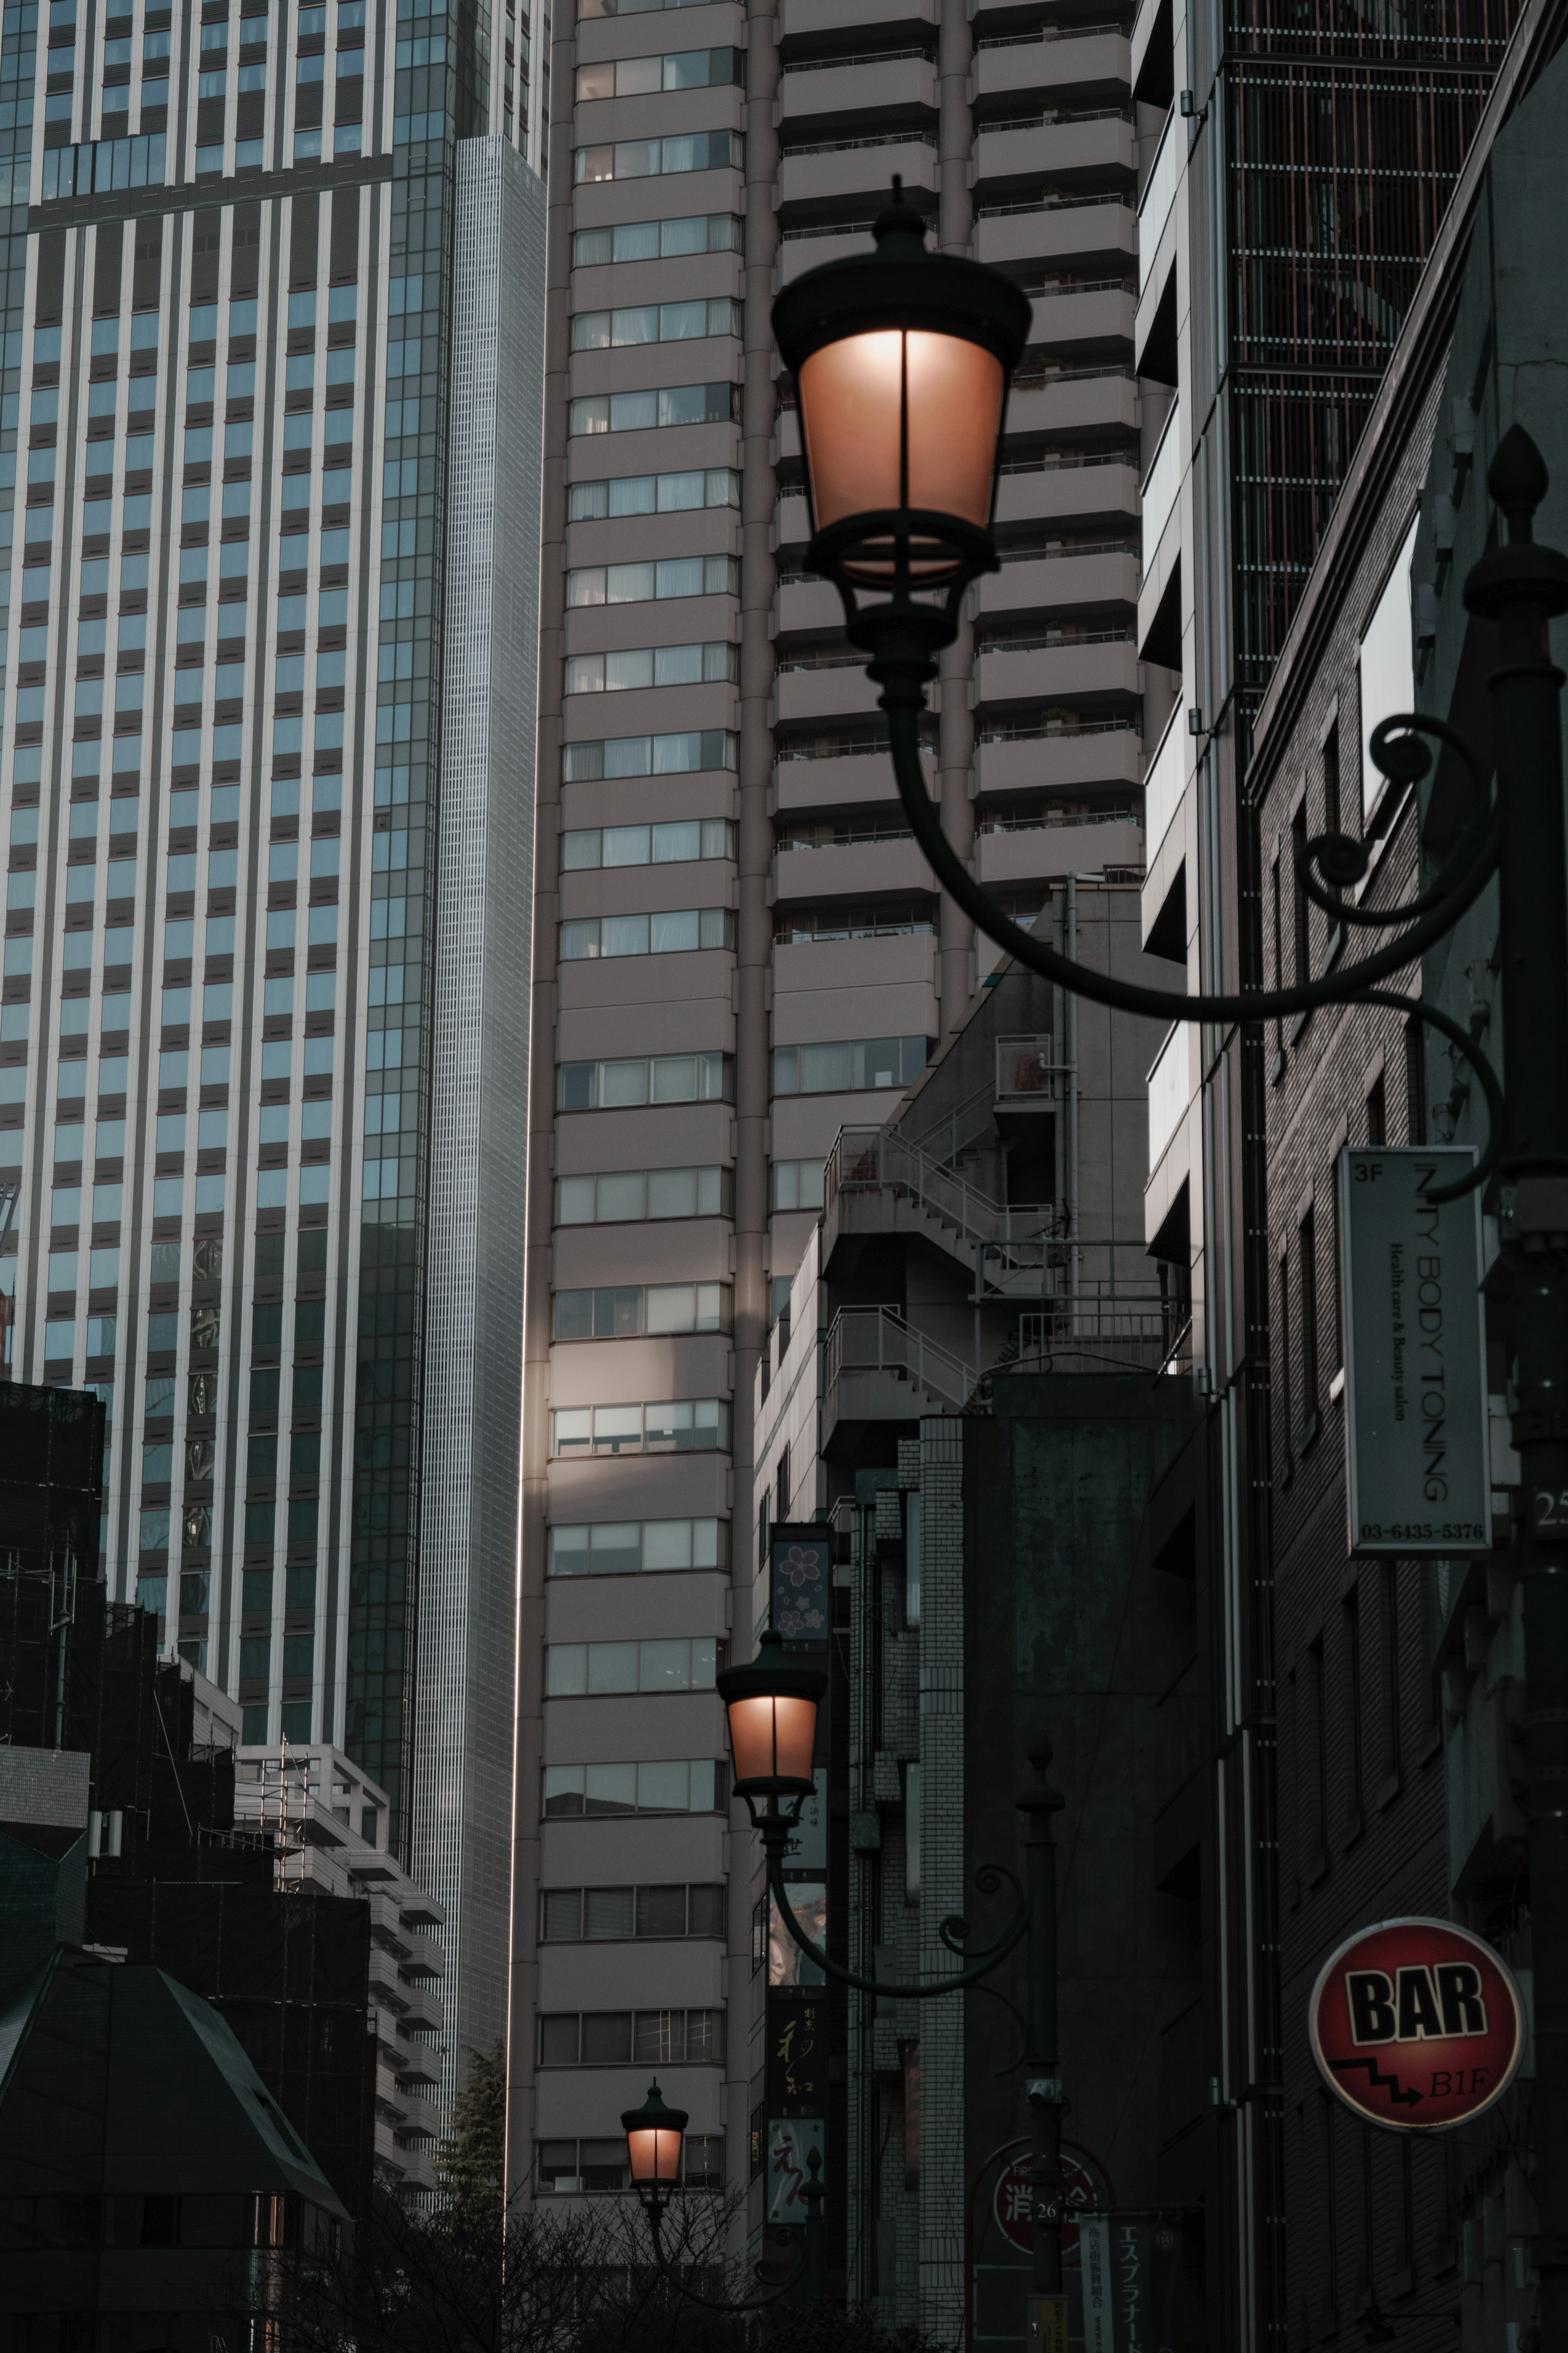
(901, 360)
(654, 2134)
(653, 2142)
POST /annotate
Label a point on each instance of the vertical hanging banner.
(1416, 1381)
(791, 2141)
(801, 1594)
(1133, 2278)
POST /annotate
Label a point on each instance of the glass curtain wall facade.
(227, 347)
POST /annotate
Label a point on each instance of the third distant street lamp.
(901, 360)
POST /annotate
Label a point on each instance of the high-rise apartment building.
(267, 786)
(717, 820)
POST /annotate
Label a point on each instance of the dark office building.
(160, 1874)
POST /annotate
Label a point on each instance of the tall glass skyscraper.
(272, 352)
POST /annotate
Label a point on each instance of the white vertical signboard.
(1416, 1382)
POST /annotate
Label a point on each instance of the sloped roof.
(118, 2078)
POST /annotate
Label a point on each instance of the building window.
(798, 1184)
(582, 1670)
(629, 1196)
(672, 493)
(848, 1067)
(1308, 1241)
(1415, 1083)
(668, 1786)
(622, 1548)
(1376, 1114)
(619, 1914)
(655, 323)
(583, 2166)
(594, 2168)
(670, 932)
(652, 240)
(695, 752)
(655, 1079)
(1332, 778)
(1391, 1743)
(1300, 903)
(668, 2038)
(1279, 1358)
(1316, 1784)
(1355, 1747)
(628, 1310)
(685, 1426)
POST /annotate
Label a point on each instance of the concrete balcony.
(825, 97)
(1061, 583)
(1006, 861)
(804, 20)
(861, 167)
(1060, 69)
(386, 1988)
(847, 780)
(423, 1957)
(413, 2166)
(799, 254)
(854, 988)
(422, 2010)
(1076, 325)
(421, 2121)
(420, 2066)
(842, 692)
(1081, 495)
(390, 2101)
(1057, 152)
(859, 871)
(1056, 673)
(792, 524)
(1065, 403)
(386, 1920)
(1059, 233)
(808, 605)
(1046, 764)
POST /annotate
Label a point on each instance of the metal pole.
(1042, 2065)
(1520, 586)
(1074, 1262)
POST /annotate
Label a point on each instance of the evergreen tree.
(470, 2162)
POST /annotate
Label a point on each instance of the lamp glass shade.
(905, 418)
(773, 1738)
(654, 2134)
(656, 2156)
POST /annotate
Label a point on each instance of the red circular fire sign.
(1085, 2183)
(1416, 2024)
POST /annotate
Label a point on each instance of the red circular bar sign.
(1416, 2024)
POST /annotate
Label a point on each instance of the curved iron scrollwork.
(954, 1930)
(902, 666)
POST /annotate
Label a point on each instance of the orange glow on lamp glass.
(773, 1738)
(654, 2154)
(853, 399)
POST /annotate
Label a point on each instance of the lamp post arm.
(1356, 982)
(1133, 997)
(719, 2304)
(988, 1877)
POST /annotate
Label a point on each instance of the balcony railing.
(876, 1339)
